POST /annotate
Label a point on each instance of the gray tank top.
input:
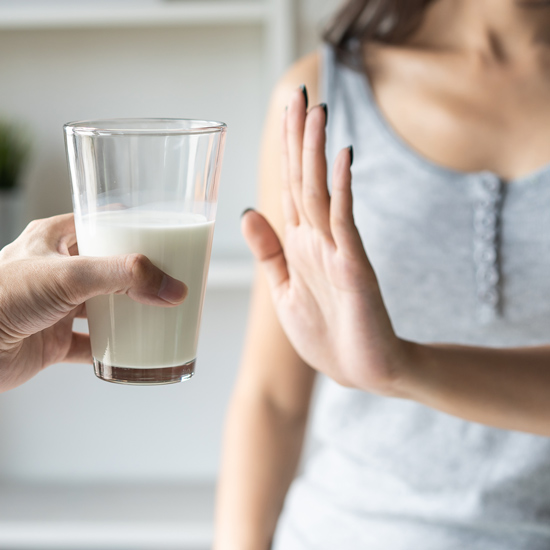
(462, 258)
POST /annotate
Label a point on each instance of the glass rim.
(107, 126)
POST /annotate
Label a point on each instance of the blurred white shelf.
(180, 13)
(87, 517)
(230, 274)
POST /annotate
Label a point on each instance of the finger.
(80, 350)
(266, 247)
(57, 233)
(54, 227)
(289, 210)
(296, 117)
(80, 312)
(73, 250)
(315, 195)
(66, 244)
(342, 225)
(133, 274)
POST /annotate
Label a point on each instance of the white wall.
(50, 77)
(65, 425)
(313, 15)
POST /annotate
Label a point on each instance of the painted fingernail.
(304, 91)
(350, 154)
(325, 108)
(171, 290)
(247, 210)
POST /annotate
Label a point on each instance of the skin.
(478, 71)
(44, 285)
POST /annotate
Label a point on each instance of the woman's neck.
(495, 29)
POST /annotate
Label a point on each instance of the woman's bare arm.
(504, 388)
(268, 411)
(328, 301)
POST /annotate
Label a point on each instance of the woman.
(432, 425)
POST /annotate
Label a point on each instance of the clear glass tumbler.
(146, 186)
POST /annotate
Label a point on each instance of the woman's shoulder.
(305, 70)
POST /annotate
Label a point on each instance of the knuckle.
(139, 266)
(33, 227)
(312, 190)
(35, 233)
(311, 147)
(34, 224)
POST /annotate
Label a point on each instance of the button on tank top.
(461, 258)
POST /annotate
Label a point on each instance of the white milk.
(125, 333)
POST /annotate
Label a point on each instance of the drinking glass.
(146, 186)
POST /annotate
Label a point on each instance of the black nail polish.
(325, 108)
(350, 154)
(304, 91)
(246, 210)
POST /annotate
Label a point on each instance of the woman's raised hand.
(43, 287)
(324, 289)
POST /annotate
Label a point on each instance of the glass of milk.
(146, 186)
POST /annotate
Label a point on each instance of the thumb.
(132, 274)
(266, 246)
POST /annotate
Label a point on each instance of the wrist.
(406, 369)
(252, 543)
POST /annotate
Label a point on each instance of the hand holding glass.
(146, 186)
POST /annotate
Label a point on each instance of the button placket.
(486, 221)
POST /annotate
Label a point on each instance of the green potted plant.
(14, 153)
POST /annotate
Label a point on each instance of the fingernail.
(325, 108)
(171, 290)
(304, 91)
(247, 210)
(350, 154)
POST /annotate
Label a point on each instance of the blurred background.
(85, 464)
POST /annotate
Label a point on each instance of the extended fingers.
(295, 125)
(289, 209)
(342, 225)
(315, 195)
(304, 163)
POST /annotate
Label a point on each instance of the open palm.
(323, 286)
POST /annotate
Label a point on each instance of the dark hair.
(360, 21)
